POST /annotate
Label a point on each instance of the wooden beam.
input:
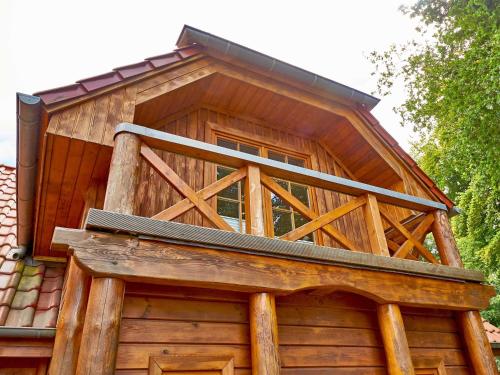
(264, 334)
(417, 235)
(445, 241)
(204, 194)
(394, 337)
(320, 221)
(70, 321)
(374, 227)
(102, 321)
(421, 248)
(237, 159)
(178, 184)
(478, 347)
(306, 211)
(253, 202)
(152, 261)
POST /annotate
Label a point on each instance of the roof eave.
(224, 47)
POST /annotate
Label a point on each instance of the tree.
(451, 74)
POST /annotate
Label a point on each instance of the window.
(285, 217)
(231, 201)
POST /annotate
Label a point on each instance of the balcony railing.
(256, 172)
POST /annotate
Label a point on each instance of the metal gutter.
(27, 332)
(28, 132)
(224, 47)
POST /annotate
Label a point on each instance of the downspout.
(28, 131)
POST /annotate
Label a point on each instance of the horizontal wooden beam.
(168, 231)
(216, 154)
(136, 259)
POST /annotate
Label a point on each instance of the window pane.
(282, 222)
(276, 156)
(231, 191)
(300, 192)
(227, 143)
(295, 161)
(228, 208)
(276, 201)
(249, 149)
(299, 221)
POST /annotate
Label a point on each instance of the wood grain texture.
(70, 321)
(396, 346)
(264, 334)
(253, 202)
(373, 220)
(101, 329)
(478, 347)
(445, 241)
(123, 174)
(161, 263)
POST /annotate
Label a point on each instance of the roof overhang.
(225, 48)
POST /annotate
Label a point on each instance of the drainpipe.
(28, 132)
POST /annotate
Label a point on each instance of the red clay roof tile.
(84, 86)
(21, 302)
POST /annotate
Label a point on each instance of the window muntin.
(231, 201)
(285, 217)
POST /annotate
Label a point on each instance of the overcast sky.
(46, 44)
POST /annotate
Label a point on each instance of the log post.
(479, 349)
(102, 321)
(445, 241)
(262, 307)
(70, 321)
(478, 346)
(393, 334)
(389, 316)
(374, 227)
(264, 334)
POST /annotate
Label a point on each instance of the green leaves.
(452, 78)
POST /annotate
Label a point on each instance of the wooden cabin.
(217, 211)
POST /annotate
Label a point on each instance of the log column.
(393, 334)
(70, 321)
(478, 347)
(262, 306)
(102, 321)
(389, 316)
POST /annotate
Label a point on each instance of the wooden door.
(189, 365)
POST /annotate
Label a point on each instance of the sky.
(51, 43)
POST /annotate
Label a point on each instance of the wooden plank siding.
(337, 333)
(185, 321)
(155, 194)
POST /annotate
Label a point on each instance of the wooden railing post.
(445, 241)
(393, 333)
(262, 308)
(102, 322)
(374, 226)
(478, 347)
(70, 321)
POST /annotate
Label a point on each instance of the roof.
(30, 291)
(412, 164)
(223, 47)
(492, 332)
(117, 75)
(192, 42)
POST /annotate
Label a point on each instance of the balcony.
(387, 236)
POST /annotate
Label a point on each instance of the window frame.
(264, 148)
